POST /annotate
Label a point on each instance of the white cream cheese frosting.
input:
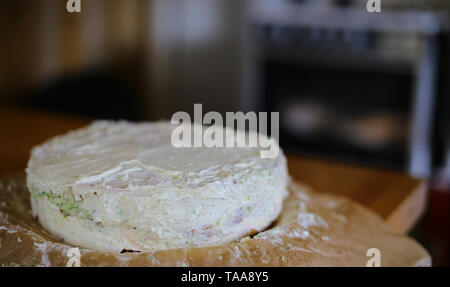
(116, 186)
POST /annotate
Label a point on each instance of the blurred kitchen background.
(353, 86)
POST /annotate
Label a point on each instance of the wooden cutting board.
(398, 198)
(313, 229)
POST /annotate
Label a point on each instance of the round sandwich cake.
(120, 186)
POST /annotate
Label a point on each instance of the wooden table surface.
(398, 198)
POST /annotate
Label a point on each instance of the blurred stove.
(348, 84)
